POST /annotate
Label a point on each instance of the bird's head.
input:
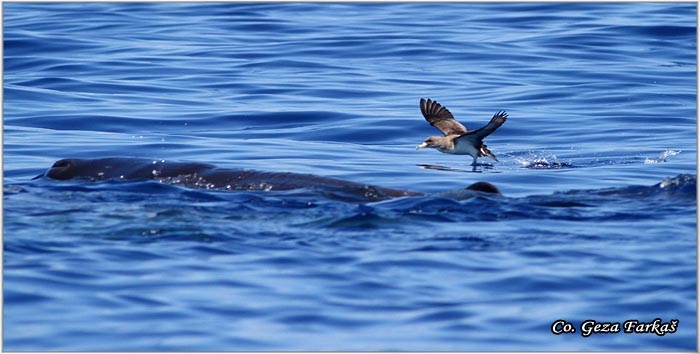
(434, 142)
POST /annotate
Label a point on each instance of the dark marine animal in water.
(207, 176)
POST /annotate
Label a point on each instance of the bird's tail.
(483, 151)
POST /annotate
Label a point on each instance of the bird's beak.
(423, 145)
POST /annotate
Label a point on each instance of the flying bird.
(457, 139)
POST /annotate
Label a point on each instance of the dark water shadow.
(476, 169)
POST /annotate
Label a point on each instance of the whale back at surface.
(121, 168)
(202, 175)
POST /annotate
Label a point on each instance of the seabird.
(457, 140)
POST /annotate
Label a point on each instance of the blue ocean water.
(597, 165)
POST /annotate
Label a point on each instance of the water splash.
(541, 160)
(662, 157)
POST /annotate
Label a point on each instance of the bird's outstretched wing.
(497, 120)
(440, 117)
